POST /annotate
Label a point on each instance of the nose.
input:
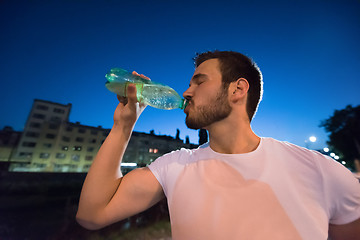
(188, 94)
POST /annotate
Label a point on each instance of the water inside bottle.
(162, 97)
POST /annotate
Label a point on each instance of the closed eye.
(198, 79)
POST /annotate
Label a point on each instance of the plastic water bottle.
(148, 92)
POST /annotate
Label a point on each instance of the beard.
(203, 116)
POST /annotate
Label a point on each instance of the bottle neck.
(183, 104)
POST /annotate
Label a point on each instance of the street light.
(311, 139)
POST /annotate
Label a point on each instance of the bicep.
(346, 231)
(138, 191)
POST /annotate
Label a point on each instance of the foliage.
(177, 134)
(344, 129)
(203, 136)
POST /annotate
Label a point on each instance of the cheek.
(204, 93)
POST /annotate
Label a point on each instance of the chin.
(192, 124)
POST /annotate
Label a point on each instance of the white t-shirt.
(278, 191)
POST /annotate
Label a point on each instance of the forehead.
(210, 67)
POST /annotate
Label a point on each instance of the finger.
(122, 100)
(140, 75)
(143, 76)
(131, 93)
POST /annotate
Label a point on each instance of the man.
(237, 186)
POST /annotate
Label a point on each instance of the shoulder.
(178, 157)
(168, 167)
(290, 149)
(300, 161)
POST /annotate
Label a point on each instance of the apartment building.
(50, 143)
(9, 140)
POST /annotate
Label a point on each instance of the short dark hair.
(234, 65)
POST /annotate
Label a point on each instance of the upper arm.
(137, 191)
(346, 231)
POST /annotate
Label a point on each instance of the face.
(208, 100)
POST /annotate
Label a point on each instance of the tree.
(177, 134)
(203, 136)
(344, 129)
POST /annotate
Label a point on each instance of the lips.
(186, 110)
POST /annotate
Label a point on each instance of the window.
(60, 155)
(90, 149)
(42, 107)
(32, 134)
(69, 128)
(73, 166)
(93, 132)
(77, 148)
(81, 130)
(50, 136)
(93, 140)
(35, 125)
(153, 150)
(47, 145)
(58, 167)
(25, 154)
(39, 165)
(75, 157)
(65, 148)
(38, 116)
(55, 119)
(44, 155)
(66, 139)
(79, 139)
(53, 126)
(86, 166)
(88, 158)
(59, 110)
(29, 144)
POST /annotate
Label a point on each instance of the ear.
(239, 89)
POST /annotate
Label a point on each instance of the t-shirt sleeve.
(158, 168)
(342, 191)
(165, 169)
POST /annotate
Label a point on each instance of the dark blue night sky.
(60, 51)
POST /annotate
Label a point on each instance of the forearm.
(105, 174)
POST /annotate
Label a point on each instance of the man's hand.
(129, 109)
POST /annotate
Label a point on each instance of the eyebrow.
(196, 78)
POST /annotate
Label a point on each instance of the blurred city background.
(55, 111)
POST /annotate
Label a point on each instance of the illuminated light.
(332, 154)
(336, 157)
(156, 150)
(326, 149)
(128, 164)
(312, 139)
(150, 150)
(343, 162)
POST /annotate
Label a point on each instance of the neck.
(233, 138)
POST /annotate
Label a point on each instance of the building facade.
(9, 140)
(50, 143)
